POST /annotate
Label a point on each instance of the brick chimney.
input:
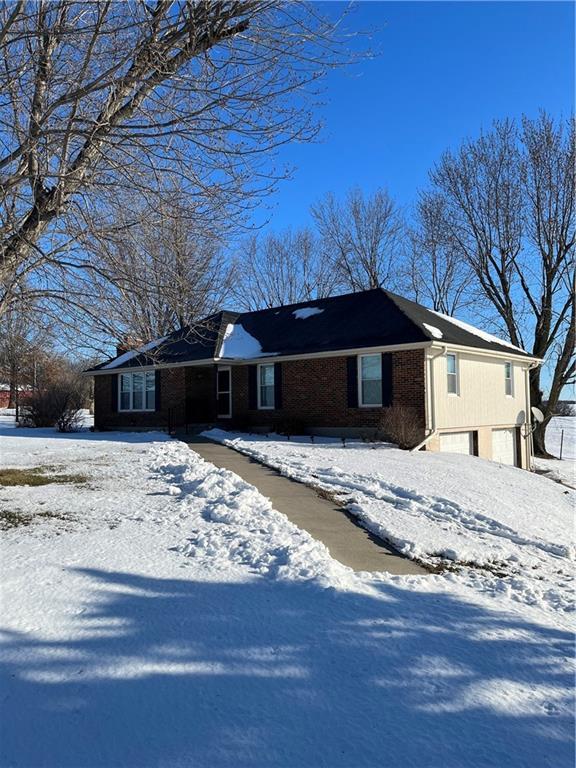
(127, 345)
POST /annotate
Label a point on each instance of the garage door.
(457, 442)
(504, 446)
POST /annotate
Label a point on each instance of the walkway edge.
(315, 510)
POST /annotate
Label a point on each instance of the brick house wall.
(172, 404)
(23, 395)
(314, 394)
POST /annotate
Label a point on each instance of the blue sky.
(445, 70)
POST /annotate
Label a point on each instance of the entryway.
(208, 395)
(200, 394)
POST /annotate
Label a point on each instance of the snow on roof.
(237, 343)
(134, 352)
(302, 314)
(436, 332)
(477, 332)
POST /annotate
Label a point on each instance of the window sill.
(136, 410)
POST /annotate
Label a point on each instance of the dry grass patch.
(34, 476)
(37, 476)
(15, 519)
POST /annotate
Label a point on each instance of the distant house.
(24, 393)
(333, 366)
(4, 395)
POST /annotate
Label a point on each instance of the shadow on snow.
(83, 434)
(283, 675)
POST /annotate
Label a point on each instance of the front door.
(200, 394)
(224, 392)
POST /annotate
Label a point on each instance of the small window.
(137, 391)
(370, 375)
(266, 386)
(508, 379)
(138, 381)
(150, 391)
(125, 392)
(224, 392)
(452, 374)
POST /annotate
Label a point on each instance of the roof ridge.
(392, 297)
(433, 316)
(371, 318)
(311, 301)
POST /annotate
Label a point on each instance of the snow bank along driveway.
(444, 509)
(172, 618)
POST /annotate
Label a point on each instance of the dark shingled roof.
(186, 345)
(375, 318)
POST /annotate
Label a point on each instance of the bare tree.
(509, 205)
(162, 269)
(98, 95)
(281, 268)
(434, 272)
(363, 234)
(23, 346)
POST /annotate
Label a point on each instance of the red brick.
(314, 392)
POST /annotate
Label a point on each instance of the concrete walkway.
(329, 523)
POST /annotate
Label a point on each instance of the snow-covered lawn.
(554, 440)
(173, 618)
(560, 438)
(444, 508)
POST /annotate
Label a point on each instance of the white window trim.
(359, 375)
(457, 374)
(135, 410)
(258, 387)
(511, 379)
(229, 392)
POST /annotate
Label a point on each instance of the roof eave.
(268, 357)
(439, 344)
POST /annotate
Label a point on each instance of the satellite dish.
(537, 413)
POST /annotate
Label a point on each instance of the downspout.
(431, 431)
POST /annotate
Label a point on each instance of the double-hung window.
(370, 380)
(266, 386)
(137, 391)
(508, 379)
(452, 374)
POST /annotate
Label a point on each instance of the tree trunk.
(536, 394)
(13, 384)
(539, 439)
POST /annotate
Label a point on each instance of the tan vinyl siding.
(481, 398)
(481, 404)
